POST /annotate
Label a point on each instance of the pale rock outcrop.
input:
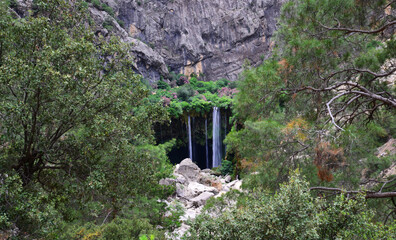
(188, 169)
(202, 198)
(386, 150)
(193, 188)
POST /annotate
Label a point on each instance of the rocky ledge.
(193, 188)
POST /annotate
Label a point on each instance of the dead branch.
(351, 30)
(368, 194)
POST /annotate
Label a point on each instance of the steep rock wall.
(201, 36)
(213, 37)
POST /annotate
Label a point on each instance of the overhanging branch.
(368, 194)
(351, 30)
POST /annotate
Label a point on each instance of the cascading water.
(225, 132)
(216, 161)
(206, 142)
(189, 138)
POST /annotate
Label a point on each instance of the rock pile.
(194, 187)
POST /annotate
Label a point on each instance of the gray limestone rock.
(211, 37)
(188, 169)
(227, 179)
(167, 181)
(202, 198)
(197, 188)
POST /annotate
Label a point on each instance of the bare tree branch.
(351, 30)
(368, 194)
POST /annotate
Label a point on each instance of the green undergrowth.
(197, 98)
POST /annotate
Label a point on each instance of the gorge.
(176, 119)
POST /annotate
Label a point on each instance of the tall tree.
(332, 72)
(341, 52)
(75, 126)
(56, 78)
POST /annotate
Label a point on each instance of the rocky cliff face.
(211, 37)
(195, 36)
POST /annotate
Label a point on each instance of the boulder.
(231, 184)
(184, 191)
(189, 170)
(210, 180)
(197, 188)
(389, 148)
(202, 198)
(180, 179)
(222, 193)
(227, 179)
(167, 181)
(179, 231)
(237, 185)
(207, 170)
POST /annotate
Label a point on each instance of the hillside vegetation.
(78, 153)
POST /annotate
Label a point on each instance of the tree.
(76, 127)
(57, 78)
(342, 52)
(327, 93)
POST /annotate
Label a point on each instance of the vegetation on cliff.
(188, 95)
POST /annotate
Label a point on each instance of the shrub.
(182, 80)
(292, 213)
(97, 4)
(121, 23)
(108, 24)
(107, 9)
(119, 228)
(226, 167)
(185, 92)
(163, 85)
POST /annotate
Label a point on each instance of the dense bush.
(185, 92)
(163, 85)
(292, 213)
(79, 148)
(226, 167)
(119, 228)
(192, 96)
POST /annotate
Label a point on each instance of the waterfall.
(216, 138)
(189, 138)
(206, 143)
(225, 132)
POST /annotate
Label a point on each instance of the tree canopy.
(323, 102)
(76, 127)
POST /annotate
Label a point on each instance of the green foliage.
(12, 3)
(192, 96)
(33, 213)
(281, 113)
(256, 98)
(76, 127)
(185, 92)
(108, 24)
(120, 22)
(103, 7)
(226, 167)
(163, 85)
(119, 228)
(292, 213)
(175, 211)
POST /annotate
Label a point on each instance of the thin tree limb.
(351, 30)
